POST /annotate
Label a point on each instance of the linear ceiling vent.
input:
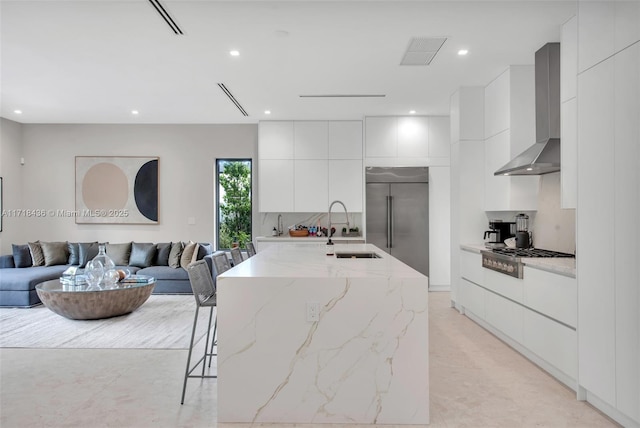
(233, 99)
(165, 15)
(422, 50)
(343, 96)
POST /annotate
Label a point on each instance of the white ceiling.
(93, 61)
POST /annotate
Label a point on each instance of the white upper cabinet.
(381, 135)
(509, 130)
(311, 139)
(605, 28)
(439, 137)
(569, 60)
(276, 140)
(311, 185)
(275, 185)
(496, 101)
(345, 139)
(467, 114)
(413, 137)
(345, 183)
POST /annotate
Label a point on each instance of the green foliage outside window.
(234, 202)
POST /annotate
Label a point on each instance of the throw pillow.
(21, 256)
(189, 254)
(204, 249)
(162, 254)
(174, 255)
(55, 253)
(119, 253)
(88, 250)
(36, 253)
(74, 253)
(142, 255)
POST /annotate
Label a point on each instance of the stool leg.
(186, 373)
(213, 342)
(206, 343)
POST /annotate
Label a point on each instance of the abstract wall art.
(116, 189)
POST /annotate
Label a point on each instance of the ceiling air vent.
(232, 98)
(422, 50)
(165, 15)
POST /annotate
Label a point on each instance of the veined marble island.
(365, 359)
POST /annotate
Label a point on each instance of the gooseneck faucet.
(329, 215)
(280, 226)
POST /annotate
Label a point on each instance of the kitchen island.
(308, 338)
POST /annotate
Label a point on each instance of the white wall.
(10, 153)
(186, 183)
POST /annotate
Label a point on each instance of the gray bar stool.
(236, 256)
(204, 291)
(251, 250)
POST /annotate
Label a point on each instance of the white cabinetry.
(407, 141)
(304, 164)
(275, 179)
(569, 113)
(509, 130)
(608, 300)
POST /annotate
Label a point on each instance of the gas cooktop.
(529, 252)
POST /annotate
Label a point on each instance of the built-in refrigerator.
(397, 216)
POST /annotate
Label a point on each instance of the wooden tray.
(298, 233)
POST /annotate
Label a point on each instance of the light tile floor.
(476, 381)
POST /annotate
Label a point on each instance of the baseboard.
(445, 287)
(610, 411)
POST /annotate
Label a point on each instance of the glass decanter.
(108, 279)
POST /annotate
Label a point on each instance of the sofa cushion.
(87, 251)
(189, 254)
(21, 256)
(162, 254)
(174, 255)
(27, 279)
(142, 254)
(119, 253)
(74, 253)
(36, 253)
(55, 253)
(161, 273)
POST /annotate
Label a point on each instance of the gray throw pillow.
(162, 254)
(74, 253)
(119, 253)
(21, 256)
(36, 253)
(204, 249)
(142, 255)
(55, 253)
(174, 255)
(88, 250)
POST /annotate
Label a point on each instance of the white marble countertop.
(323, 239)
(306, 260)
(560, 265)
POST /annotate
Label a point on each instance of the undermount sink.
(357, 255)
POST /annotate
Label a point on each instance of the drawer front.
(504, 285)
(505, 315)
(473, 298)
(471, 266)
(551, 294)
(553, 342)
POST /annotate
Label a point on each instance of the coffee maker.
(498, 231)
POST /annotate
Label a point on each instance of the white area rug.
(162, 322)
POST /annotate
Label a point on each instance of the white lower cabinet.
(505, 315)
(473, 298)
(553, 342)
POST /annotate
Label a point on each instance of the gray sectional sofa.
(36, 262)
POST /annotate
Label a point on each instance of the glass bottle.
(108, 278)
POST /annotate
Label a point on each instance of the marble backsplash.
(270, 220)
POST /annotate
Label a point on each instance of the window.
(233, 206)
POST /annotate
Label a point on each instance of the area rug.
(162, 322)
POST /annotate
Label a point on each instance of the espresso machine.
(498, 231)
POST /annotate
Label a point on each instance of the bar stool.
(251, 250)
(236, 256)
(204, 291)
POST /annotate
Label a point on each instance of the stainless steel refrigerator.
(398, 213)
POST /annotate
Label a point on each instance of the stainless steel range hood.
(544, 156)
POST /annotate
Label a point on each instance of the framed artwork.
(1, 214)
(116, 189)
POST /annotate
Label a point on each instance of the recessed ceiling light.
(412, 112)
(234, 53)
(134, 112)
(17, 111)
(267, 112)
(463, 52)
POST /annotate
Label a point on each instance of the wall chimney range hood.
(544, 156)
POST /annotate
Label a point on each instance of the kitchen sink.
(357, 255)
